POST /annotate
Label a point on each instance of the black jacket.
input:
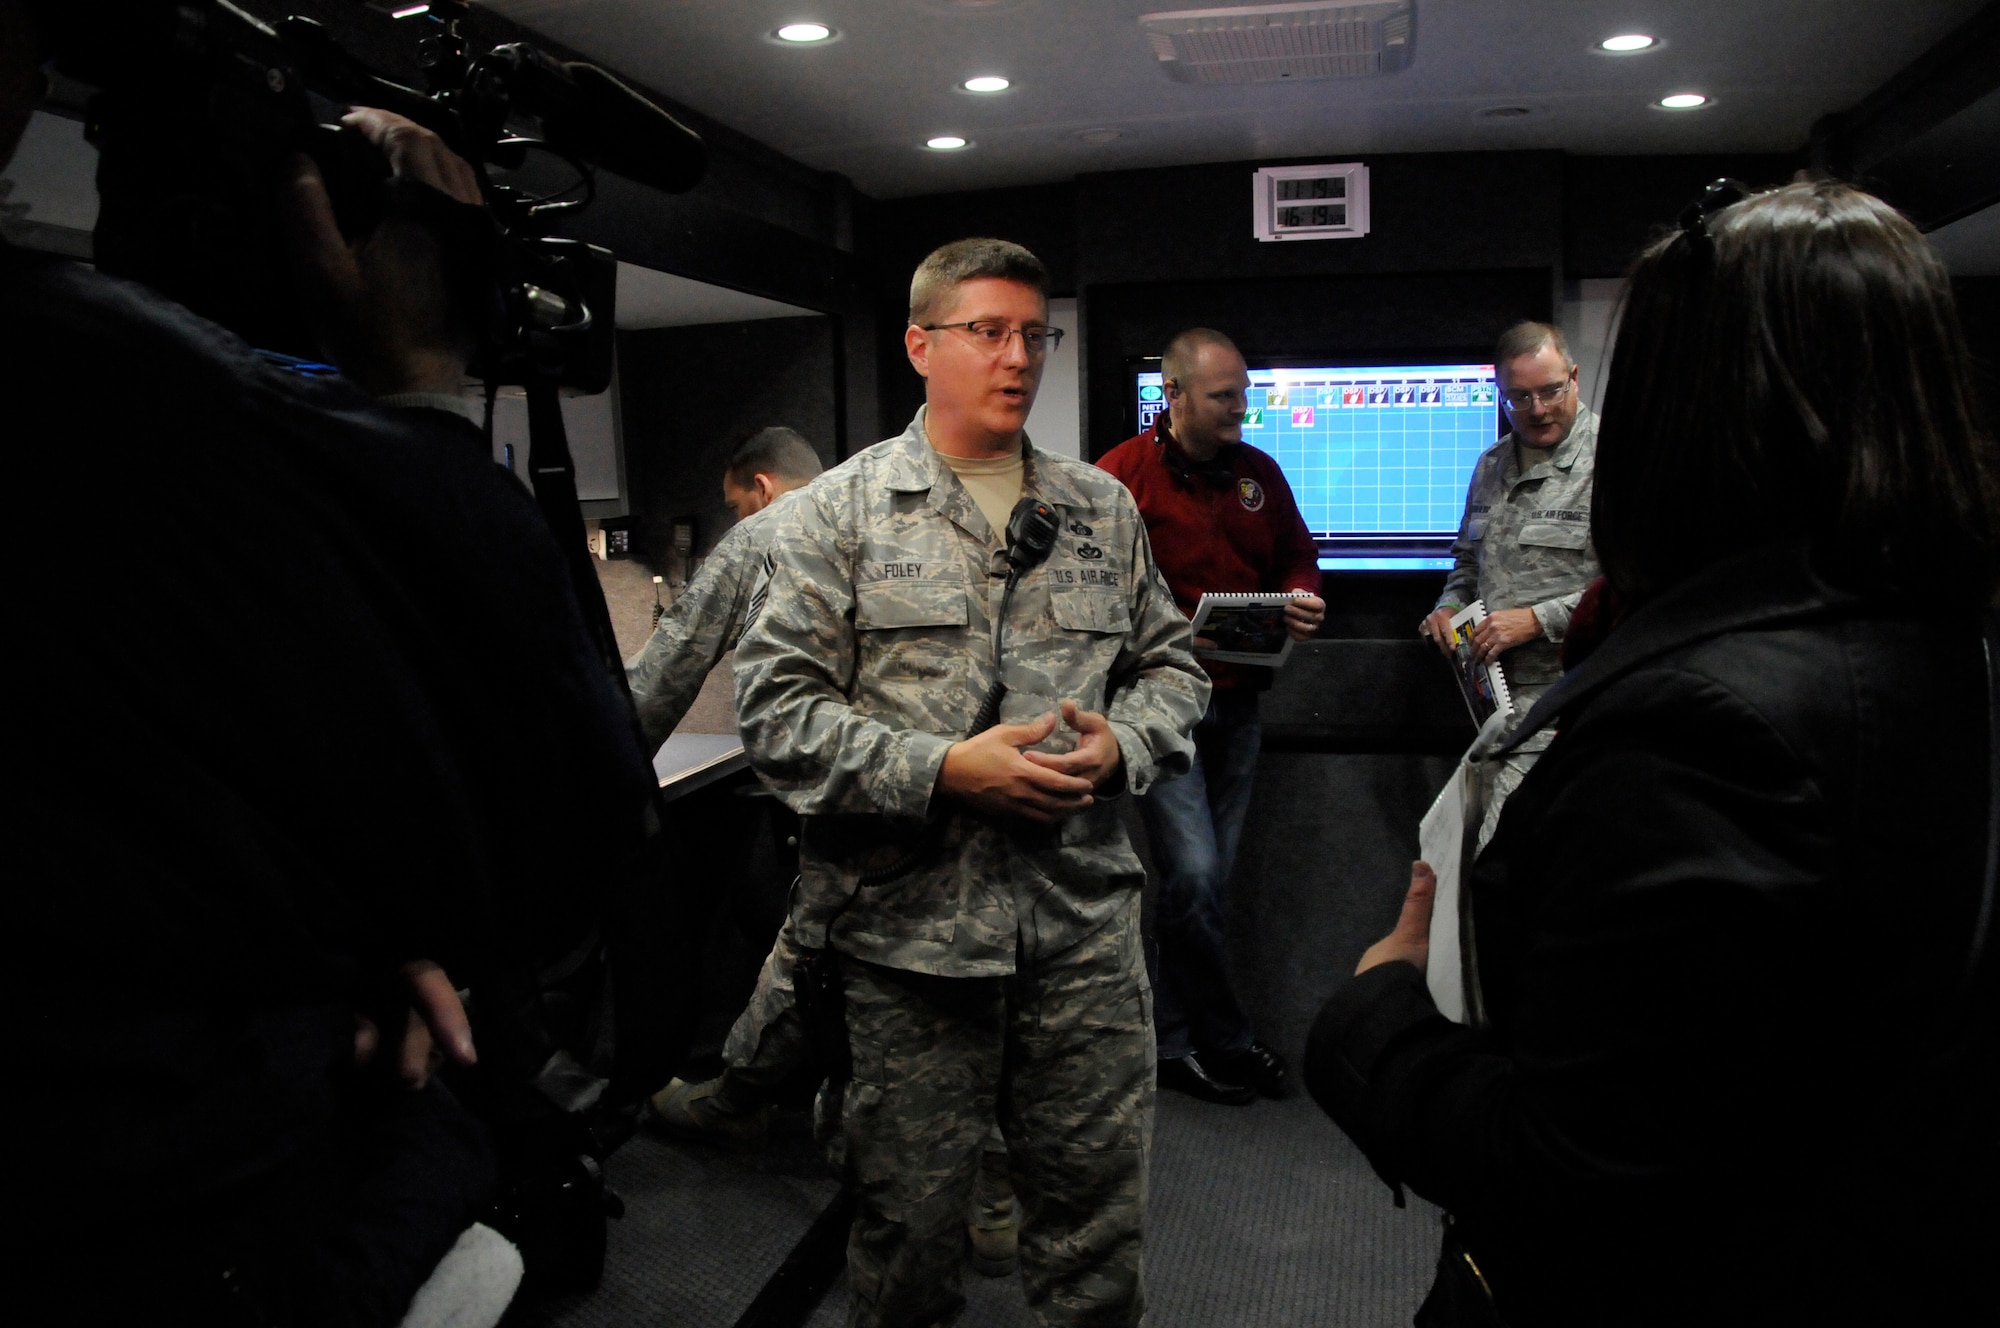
(1736, 1072)
(301, 693)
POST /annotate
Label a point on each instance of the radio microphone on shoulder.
(1031, 533)
(1032, 528)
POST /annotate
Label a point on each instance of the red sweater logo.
(1251, 494)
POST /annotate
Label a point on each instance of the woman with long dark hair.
(1732, 932)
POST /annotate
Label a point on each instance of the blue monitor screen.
(1377, 456)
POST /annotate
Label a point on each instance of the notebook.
(1484, 685)
(1244, 627)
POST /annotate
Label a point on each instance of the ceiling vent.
(1266, 43)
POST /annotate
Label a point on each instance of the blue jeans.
(1194, 824)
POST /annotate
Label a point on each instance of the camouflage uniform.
(991, 942)
(768, 1040)
(701, 625)
(1525, 543)
(704, 623)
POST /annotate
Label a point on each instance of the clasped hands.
(992, 772)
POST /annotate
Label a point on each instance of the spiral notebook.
(1245, 627)
(1484, 685)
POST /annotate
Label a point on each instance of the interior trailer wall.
(1361, 731)
(691, 394)
(1436, 214)
(1587, 316)
(1462, 244)
(1978, 300)
(590, 428)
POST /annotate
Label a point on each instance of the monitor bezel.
(1426, 547)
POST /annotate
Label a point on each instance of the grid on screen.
(1385, 450)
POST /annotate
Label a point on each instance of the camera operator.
(312, 740)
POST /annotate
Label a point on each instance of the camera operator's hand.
(415, 153)
(989, 772)
(383, 306)
(435, 1030)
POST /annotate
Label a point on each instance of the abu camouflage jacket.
(701, 626)
(868, 659)
(1525, 543)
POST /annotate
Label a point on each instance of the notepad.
(1246, 627)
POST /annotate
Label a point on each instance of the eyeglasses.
(1541, 396)
(991, 335)
(1715, 196)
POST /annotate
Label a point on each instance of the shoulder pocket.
(1090, 611)
(883, 605)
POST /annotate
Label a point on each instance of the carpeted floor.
(1261, 1217)
(1267, 1217)
(702, 1232)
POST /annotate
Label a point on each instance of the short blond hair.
(1185, 349)
(951, 266)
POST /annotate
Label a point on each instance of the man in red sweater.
(1221, 518)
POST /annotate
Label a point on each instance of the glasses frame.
(1052, 335)
(1715, 196)
(1541, 396)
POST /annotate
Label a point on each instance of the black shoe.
(1189, 1076)
(1256, 1066)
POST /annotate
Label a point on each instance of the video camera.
(200, 104)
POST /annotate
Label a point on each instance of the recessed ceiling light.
(804, 32)
(1626, 44)
(986, 83)
(946, 143)
(1684, 101)
(410, 11)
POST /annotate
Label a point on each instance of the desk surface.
(704, 747)
(688, 761)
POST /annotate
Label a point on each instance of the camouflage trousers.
(1507, 774)
(1061, 1054)
(1501, 781)
(767, 1045)
(768, 1040)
